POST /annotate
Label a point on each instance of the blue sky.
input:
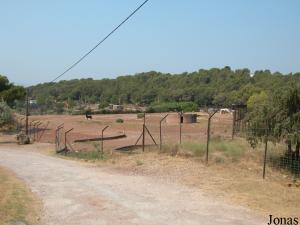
(40, 39)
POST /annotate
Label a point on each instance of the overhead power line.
(100, 42)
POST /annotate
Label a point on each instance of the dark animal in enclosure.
(88, 116)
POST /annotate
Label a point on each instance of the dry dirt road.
(76, 194)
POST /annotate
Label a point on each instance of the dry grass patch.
(219, 150)
(17, 202)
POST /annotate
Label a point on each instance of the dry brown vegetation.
(17, 202)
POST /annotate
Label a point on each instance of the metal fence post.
(265, 157)
(208, 133)
(27, 113)
(33, 130)
(180, 126)
(143, 141)
(233, 123)
(160, 135)
(37, 130)
(57, 136)
(102, 150)
(66, 138)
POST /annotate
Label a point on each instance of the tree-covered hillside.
(214, 87)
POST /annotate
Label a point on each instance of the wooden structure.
(189, 118)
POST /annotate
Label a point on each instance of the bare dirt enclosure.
(132, 127)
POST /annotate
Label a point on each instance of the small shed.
(184, 118)
(189, 118)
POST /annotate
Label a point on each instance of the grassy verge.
(17, 202)
(86, 155)
(219, 150)
(94, 153)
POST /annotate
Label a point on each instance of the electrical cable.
(100, 42)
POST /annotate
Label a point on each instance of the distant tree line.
(213, 87)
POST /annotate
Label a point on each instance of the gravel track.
(76, 194)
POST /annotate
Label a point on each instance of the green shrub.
(103, 105)
(59, 107)
(119, 120)
(140, 115)
(6, 116)
(139, 162)
(229, 148)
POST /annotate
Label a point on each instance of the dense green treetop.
(9, 92)
(214, 87)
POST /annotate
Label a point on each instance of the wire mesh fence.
(287, 161)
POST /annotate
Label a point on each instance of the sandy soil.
(76, 194)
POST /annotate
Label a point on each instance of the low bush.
(229, 148)
(119, 120)
(139, 162)
(140, 115)
(6, 116)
